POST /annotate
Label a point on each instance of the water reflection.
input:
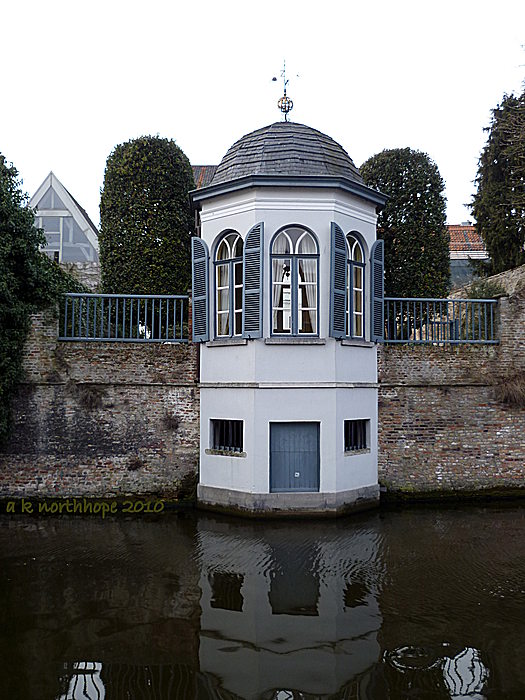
(278, 611)
(422, 603)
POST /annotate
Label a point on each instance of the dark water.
(419, 603)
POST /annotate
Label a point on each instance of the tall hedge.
(499, 203)
(412, 223)
(146, 222)
(29, 281)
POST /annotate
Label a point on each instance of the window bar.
(492, 321)
(73, 317)
(109, 319)
(101, 317)
(485, 314)
(66, 302)
(95, 304)
(87, 318)
(145, 316)
(130, 318)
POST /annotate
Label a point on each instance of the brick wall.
(102, 419)
(443, 425)
(109, 419)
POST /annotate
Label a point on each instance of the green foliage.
(485, 289)
(29, 281)
(412, 223)
(146, 222)
(499, 203)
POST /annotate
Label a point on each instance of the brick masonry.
(112, 419)
(102, 419)
(442, 427)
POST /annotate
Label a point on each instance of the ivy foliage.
(146, 221)
(499, 203)
(29, 281)
(412, 223)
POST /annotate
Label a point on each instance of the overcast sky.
(79, 78)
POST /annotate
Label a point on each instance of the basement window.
(357, 435)
(226, 435)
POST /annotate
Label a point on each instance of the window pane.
(358, 302)
(238, 323)
(307, 322)
(237, 247)
(281, 244)
(223, 300)
(358, 332)
(358, 277)
(46, 202)
(238, 273)
(223, 324)
(223, 251)
(53, 239)
(51, 223)
(238, 298)
(307, 244)
(223, 276)
(307, 270)
(67, 229)
(281, 295)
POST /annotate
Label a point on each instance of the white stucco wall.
(260, 382)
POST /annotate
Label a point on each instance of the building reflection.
(288, 610)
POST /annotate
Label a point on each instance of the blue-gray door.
(294, 457)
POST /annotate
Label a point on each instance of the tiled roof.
(464, 238)
(203, 175)
(286, 149)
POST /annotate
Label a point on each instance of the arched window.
(295, 273)
(228, 285)
(355, 287)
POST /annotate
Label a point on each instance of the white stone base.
(287, 504)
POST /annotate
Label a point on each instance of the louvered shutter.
(377, 293)
(199, 290)
(338, 273)
(252, 293)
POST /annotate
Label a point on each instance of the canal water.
(412, 603)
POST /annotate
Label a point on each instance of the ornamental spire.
(285, 104)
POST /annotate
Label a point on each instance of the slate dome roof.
(286, 149)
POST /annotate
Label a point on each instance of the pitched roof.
(203, 175)
(71, 204)
(465, 240)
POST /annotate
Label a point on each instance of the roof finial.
(285, 104)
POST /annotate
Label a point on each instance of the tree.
(412, 223)
(29, 281)
(499, 203)
(146, 221)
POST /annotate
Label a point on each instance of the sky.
(77, 79)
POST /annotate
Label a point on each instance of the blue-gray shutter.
(377, 292)
(199, 290)
(252, 293)
(338, 273)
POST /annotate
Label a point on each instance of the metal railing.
(131, 318)
(437, 321)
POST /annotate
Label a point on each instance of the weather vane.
(285, 104)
